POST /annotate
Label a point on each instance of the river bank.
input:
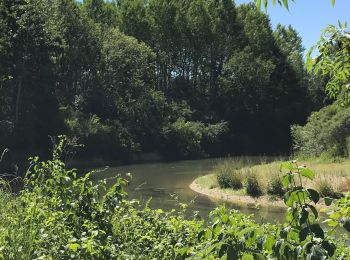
(228, 195)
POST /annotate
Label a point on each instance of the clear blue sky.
(308, 17)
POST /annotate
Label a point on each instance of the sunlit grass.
(334, 174)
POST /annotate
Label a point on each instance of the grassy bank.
(262, 183)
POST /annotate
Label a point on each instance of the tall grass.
(232, 170)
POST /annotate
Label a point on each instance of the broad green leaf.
(300, 196)
(333, 3)
(314, 195)
(303, 217)
(303, 233)
(286, 180)
(317, 230)
(314, 210)
(307, 173)
(269, 242)
(287, 199)
(287, 166)
(293, 234)
(328, 201)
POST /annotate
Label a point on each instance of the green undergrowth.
(59, 215)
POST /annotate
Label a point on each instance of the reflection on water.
(167, 184)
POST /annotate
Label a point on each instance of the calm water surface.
(159, 181)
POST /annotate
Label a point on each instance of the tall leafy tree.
(260, 92)
(77, 66)
(30, 69)
(133, 19)
(103, 12)
(290, 44)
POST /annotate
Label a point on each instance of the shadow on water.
(167, 184)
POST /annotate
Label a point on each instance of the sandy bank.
(226, 195)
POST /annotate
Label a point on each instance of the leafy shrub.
(236, 181)
(223, 180)
(103, 137)
(230, 180)
(184, 139)
(326, 132)
(326, 190)
(253, 188)
(275, 187)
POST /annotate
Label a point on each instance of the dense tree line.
(183, 78)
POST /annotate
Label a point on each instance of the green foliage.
(133, 19)
(101, 11)
(333, 55)
(129, 71)
(229, 180)
(302, 214)
(339, 216)
(333, 60)
(81, 126)
(326, 132)
(326, 190)
(253, 187)
(290, 44)
(183, 138)
(275, 186)
(60, 215)
(253, 95)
